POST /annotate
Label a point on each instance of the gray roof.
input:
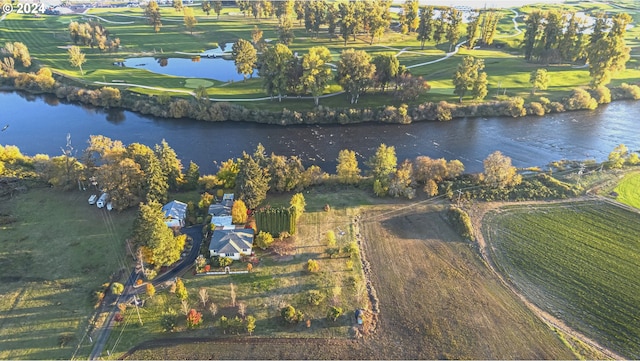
(218, 209)
(175, 210)
(231, 240)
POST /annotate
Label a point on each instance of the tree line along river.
(40, 124)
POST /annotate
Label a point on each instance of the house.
(219, 209)
(175, 214)
(231, 243)
(226, 222)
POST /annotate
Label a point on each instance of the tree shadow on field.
(424, 226)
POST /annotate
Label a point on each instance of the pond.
(217, 68)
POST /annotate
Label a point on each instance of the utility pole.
(135, 302)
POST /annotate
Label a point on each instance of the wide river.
(39, 124)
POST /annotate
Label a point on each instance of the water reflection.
(217, 68)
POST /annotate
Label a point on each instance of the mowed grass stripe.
(629, 190)
(579, 261)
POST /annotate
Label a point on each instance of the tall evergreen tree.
(454, 18)
(192, 176)
(170, 164)
(150, 231)
(533, 23)
(383, 166)
(252, 182)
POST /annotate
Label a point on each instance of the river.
(39, 124)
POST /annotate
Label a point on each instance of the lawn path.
(477, 213)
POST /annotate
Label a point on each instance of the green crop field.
(629, 190)
(579, 261)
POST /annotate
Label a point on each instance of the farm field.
(579, 262)
(628, 190)
(54, 250)
(437, 300)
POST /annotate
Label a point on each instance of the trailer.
(102, 201)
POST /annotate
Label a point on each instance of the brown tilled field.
(437, 300)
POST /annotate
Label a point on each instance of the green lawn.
(579, 261)
(46, 36)
(55, 249)
(629, 190)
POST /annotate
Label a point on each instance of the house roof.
(223, 221)
(231, 240)
(219, 209)
(175, 210)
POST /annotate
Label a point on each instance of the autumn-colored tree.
(313, 266)
(181, 290)
(263, 240)
(331, 238)
(499, 172)
(151, 290)
(190, 20)
(117, 288)
(298, 203)
(194, 318)
(76, 58)
(239, 212)
(251, 324)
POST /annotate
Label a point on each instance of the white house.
(231, 243)
(175, 214)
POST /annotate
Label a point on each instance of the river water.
(39, 124)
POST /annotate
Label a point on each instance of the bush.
(461, 223)
(290, 315)
(332, 251)
(117, 288)
(169, 320)
(334, 313)
(194, 318)
(314, 297)
(536, 108)
(221, 261)
(263, 240)
(601, 94)
(313, 266)
(580, 99)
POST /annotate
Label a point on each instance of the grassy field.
(437, 300)
(275, 282)
(578, 261)
(629, 190)
(47, 36)
(56, 249)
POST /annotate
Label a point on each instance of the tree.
(155, 181)
(499, 172)
(285, 31)
(539, 78)
(377, 18)
(124, 181)
(425, 27)
(251, 324)
(617, 157)
(152, 12)
(387, 67)
(204, 296)
(263, 240)
(252, 182)
(410, 12)
(151, 290)
(217, 7)
(473, 30)
(316, 74)
(274, 72)
(453, 30)
(355, 72)
(383, 165)
(19, 51)
(206, 7)
(232, 294)
(533, 23)
(239, 212)
(440, 28)
(609, 54)
(169, 163)
(205, 201)
(76, 58)
(348, 20)
(190, 20)
(117, 288)
(244, 57)
(150, 231)
(228, 173)
(194, 318)
(347, 169)
(298, 204)
(181, 290)
(410, 87)
(192, 176)
(469, 76)
(177, 5)
(256, 36)
(401, 183)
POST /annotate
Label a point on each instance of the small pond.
(200, 67)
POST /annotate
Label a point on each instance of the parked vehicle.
(102, 201)
(92, 199)
(109, 206)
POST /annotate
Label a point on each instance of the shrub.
(461, 222)
(333, 251)
(334, 313)
(314, 297)
(290, 315)
(580, 99)
(601, 94)
(351, 249)
(536, 108)
(194, 318)
(221, 261)
(169, 320)
(263, 240)
(313, 266)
